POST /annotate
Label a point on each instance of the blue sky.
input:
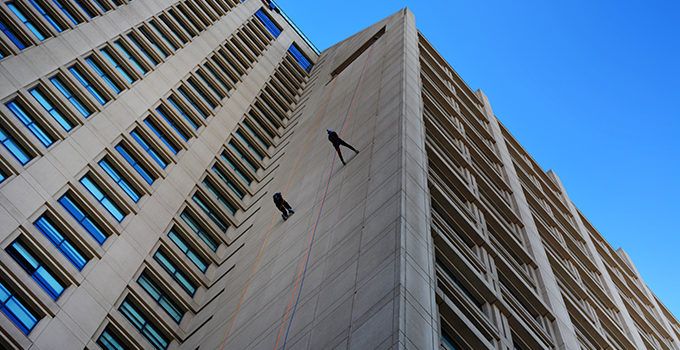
(588, 87)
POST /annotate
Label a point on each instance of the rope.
(265, 242)
(297, 291)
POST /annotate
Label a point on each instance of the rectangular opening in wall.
(300, 57)
(358, 52)
(268, 22)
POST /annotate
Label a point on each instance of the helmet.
(329, 131)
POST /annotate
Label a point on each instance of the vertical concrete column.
(629, 325)
(566, 335)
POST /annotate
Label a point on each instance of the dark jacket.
(278, 199)
(334, 138)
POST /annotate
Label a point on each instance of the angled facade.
(142, 142)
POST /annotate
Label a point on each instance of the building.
(142, 143)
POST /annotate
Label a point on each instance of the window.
(268, 22)
(71, 97)
(209, 83)
(141, 170)
(101, 5)
(87, 84)
(447, 342)
(261, 123)
(3, 176)
(189, 251)
(243, 157)
(29, 23)
(218, 77)
(246, 177)
(210, 212)
(15, 310)
(220, 197)
(161, 135)
(110, 341)
(104, 75)
(154, 41)
(143, 325)
(178, 32)
(49, 106)
(148, 149)
(88, 11)
(160, 296)
(103, 198)
(17, 150)
(242, 137)
(29, 122)
(12, 34)
(199, 231)
(122, 182)
(83, 218)
(255, 134)
(48, 17)
(68, 12)
(201, 93)
(65, 246)
(161, 110)
(117, 65)
(183, 112)
(135, 62)
(157, 29)
(34, 267)
(175, 272)
(300, 57)
(182, 23)
(227, 180)
(182, 90)
(145, 52)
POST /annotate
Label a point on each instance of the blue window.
(141, 48)
(157, 29)
(85, 8)
(202, 94)
(17, 150)
(34, 267)
(163, 113)
(143, 325)
(83, 218)
(101, 5)
(241, 173)
(122, 183)
(158, 293)
(243, 138)
(29, 122)
(71, 97)
(145, 146)
(268, 22)
(51, 109)
(257, 136)
(141, 68)
(152, 40)
(243, 157)
(110, 341)
(183, 112)
(192, 101)
(141, 170)
(104, 75)
(65, 246)
(212, 214)
(68, 12)
(26, 21)
(106, 52)
(87, 84)
(12, 34)
(16, 311)
(178, 275)
(209, 185)
(188, 250)
(3, 176)
(47, 16)
(199, 231)
(103, 198)
(300, 57)
(156, 130)
(227, 180)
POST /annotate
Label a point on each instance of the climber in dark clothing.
(337, 142)
(283, 206)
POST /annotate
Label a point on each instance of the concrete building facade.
(142, 144)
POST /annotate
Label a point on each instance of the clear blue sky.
(590, 88)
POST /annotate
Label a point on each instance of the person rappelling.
(283, 206)
(337, 142)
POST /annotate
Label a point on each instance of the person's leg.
(337, 149)
(288, 208)
(348, 146)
